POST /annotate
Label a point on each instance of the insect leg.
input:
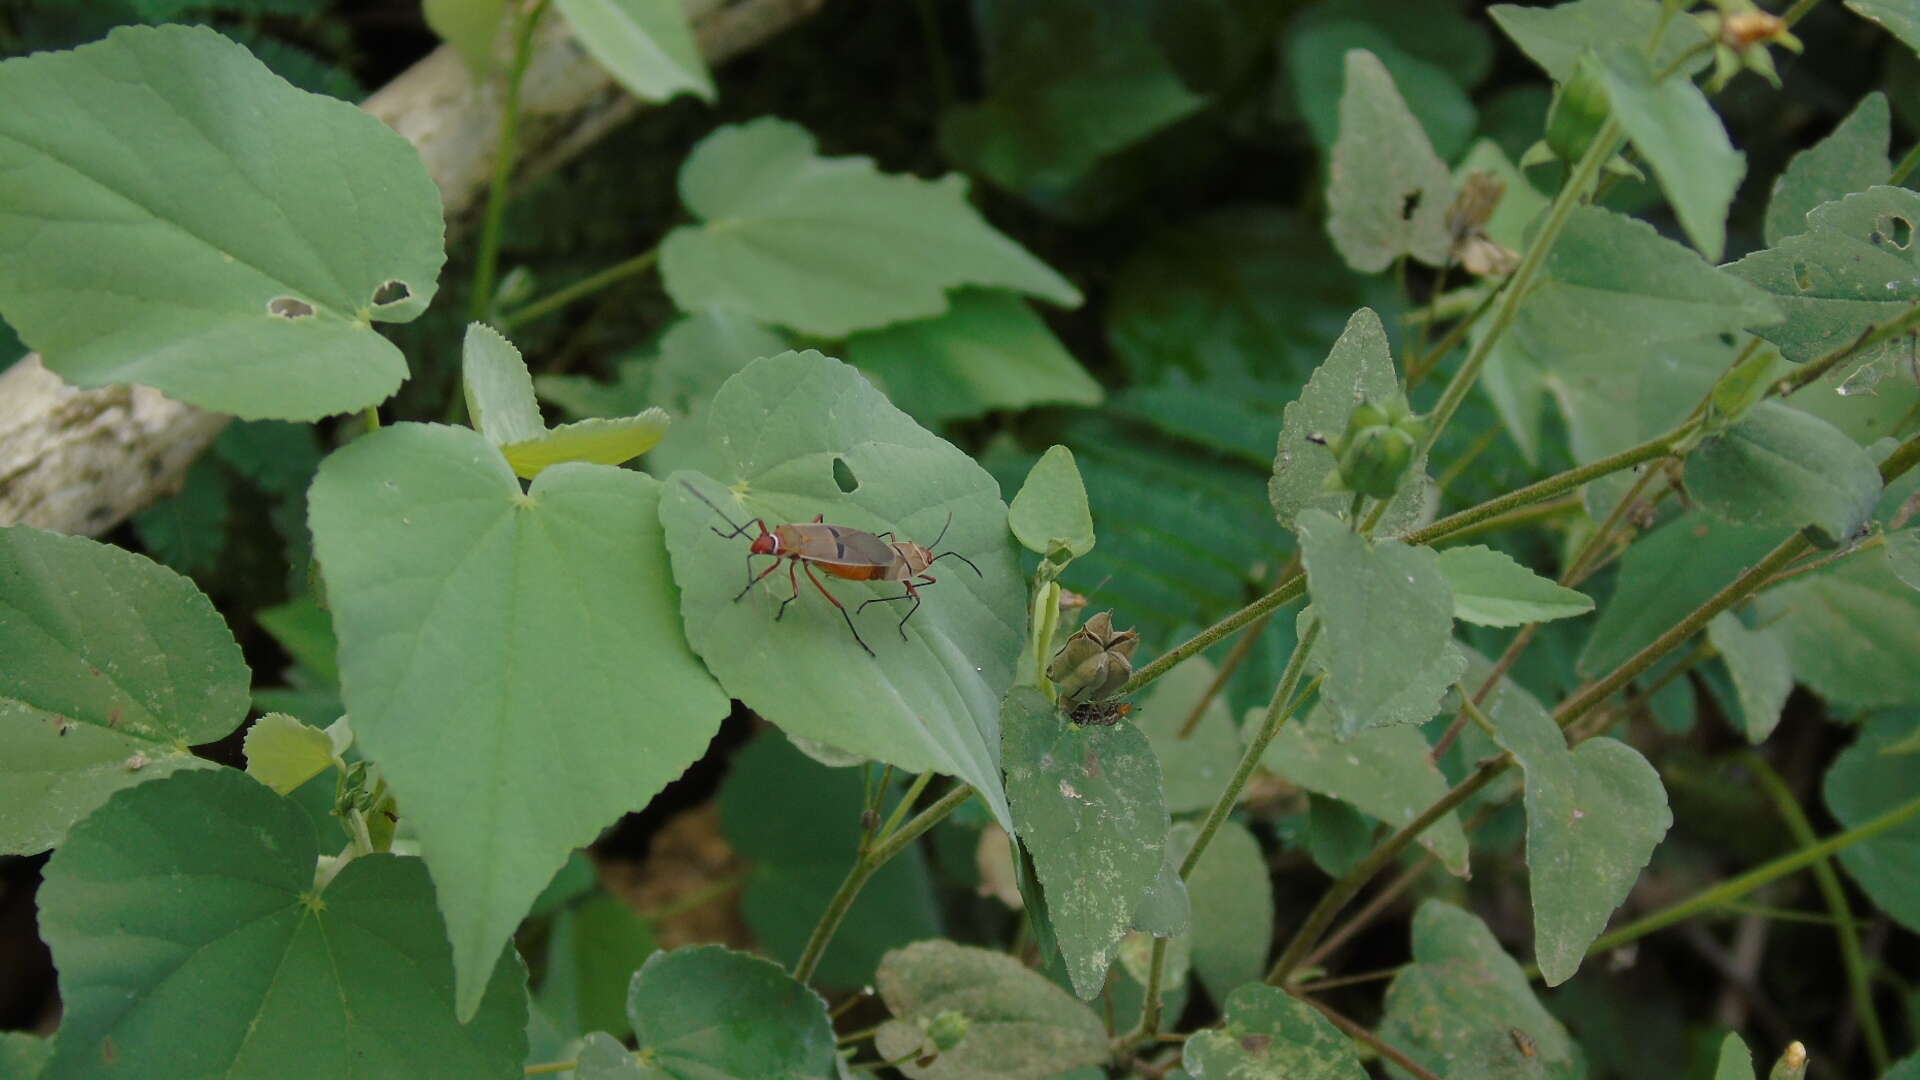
(831, 599)
(752, 579)
(792, 565)
(912, 594)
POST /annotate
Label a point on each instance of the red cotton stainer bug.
(842, 552)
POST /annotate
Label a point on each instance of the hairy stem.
(586, 286)
(1288, 589)
(487, 263)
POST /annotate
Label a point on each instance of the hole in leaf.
(1801, 279)
(843, 476)
(1409, 204)
(290, 307)
(391, 292)
(1727, 340)
(1900, 231)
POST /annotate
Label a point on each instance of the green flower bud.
(1579, 108)
(947, 1028)
(1378, 447)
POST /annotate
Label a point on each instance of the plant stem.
(373, 418)
(1905, 168)
(586, 286)
(905, 806)
(1380, 1046)
(1231, 664)
(1563, 506)
(1828, 881)
(486, 265)
(1871, 336)
(892, 843)
(1288, 589)
(1734, 888)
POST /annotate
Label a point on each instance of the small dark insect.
(1099, 713)
(1523, 1042)
(845, 553)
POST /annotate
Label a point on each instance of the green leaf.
(1555, 37)
(1907, 1068)
(192, 942)
(1853, 267)
(188, 529)
(1903, 555)
(1384, 772)
(1018, 1026)
(1868, 779)
(1269, 1034)
(470, 26)
(1464, 1000)
(1490, 589)
(1359, 367)
(1852, 158)
(646, 45)
(1613, 284)
(775, 214)
(531, 623)
(250, 289)
(989, 351)
(1664, 576)
(305, 631)
(1387, 192)
(1616, 398)
(1896, 17)
(1852, 631)
(113, 667)
(1232, 922)
(278, 456)
(284, 753)
(1389, 652)
(1051, 509)
(1673, 126)
(1086, 802)
(1195, 768)
(1761, 668)
(593, 949)
(1316, 52)
(1785, 468)
(1165, 909)
(498, 389)
(599, 442)
(801, 435)
(23, 1055)
(707, 1011)
(1594, 815)
(798, 823)
(1735, 1062)
(603, 1057)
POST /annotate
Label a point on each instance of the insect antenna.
(954, 555)
(943, 532)
(737, 529)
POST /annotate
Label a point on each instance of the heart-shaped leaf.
(1269, 1034)
(113, 667)
(775, 214)
(800, 435)
(1050, 509)
(192, 941)
(494, 641)
(177, 215)
(1000, 1021)
(1086, 802)
(707, 1011)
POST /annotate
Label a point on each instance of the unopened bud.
(1378, 447)
(947, 1028)
(1579, 109)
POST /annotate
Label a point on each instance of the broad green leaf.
(1853, 267)
(1897, 17)
(1761, 668)
(305, 630)
(176, 215)
(1903, 555)
(990, 350)
(1613, 284)
(284, 753)
(1337, 835)
(192, 942)
(1388, 613)
(539, 625)
(1907, 1068)
(603, 1057)
(1735, 1061)
(113, 667)
(1387, 192)
(1594, 816)
(1051, 509)
(593, 949)
(23, 1055)
(707, 1011)
(1268, 1034)
(598, 442)
(1086, 802)
(1870, 778)
(1463, 999)
(801, 435)
(470, 26)
(828, 246)
(797, 822)
(187, 530)
(646, 45)
(1852, 158)
(1555, 37)
(1386, 773)
(1616, 398)
(1785, 468)
(1196, 767)
(1852, 631)
(1232, 927)
(1016, 1024)
(1491, 589)
(498, 389)
(1315, 63)
(1663, 576)
(278, 456)
(1677, 131)
(1165, 908)
(1359, 367)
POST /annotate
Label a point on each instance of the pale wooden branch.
(82, 461)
